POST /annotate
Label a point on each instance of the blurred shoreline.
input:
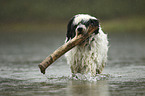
(124, 24)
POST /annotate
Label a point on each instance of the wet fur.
(90, 56)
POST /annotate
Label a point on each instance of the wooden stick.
(64, 48)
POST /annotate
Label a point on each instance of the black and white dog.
(90, 56)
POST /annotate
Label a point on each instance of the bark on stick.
(64, 48)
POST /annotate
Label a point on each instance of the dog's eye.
(92, 22)
(87, 23)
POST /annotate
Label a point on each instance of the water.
(20, 54)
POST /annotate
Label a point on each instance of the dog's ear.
(69, 29)
(95, 22)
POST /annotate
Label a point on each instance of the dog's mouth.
(81, 29)
(82, 33)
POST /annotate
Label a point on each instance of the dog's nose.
(80, 29)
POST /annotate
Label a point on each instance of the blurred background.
(45, 15)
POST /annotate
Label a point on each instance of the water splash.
(78, 76)
(88, 77)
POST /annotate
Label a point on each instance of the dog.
(91, 55)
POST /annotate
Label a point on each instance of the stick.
(64, 48)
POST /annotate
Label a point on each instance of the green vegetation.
(46, 15)
(128, 24)
(133, 24)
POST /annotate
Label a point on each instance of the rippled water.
(20, 54)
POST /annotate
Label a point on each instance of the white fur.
(79, 17)
(90, 58)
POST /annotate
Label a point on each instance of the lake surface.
(20, 54)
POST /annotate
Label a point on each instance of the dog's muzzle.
(81, 29)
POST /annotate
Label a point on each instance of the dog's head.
(79, 24)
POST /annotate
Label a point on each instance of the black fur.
(71, 27)
(70, 32)
(94, 22)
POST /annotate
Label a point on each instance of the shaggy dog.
(91, 55)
